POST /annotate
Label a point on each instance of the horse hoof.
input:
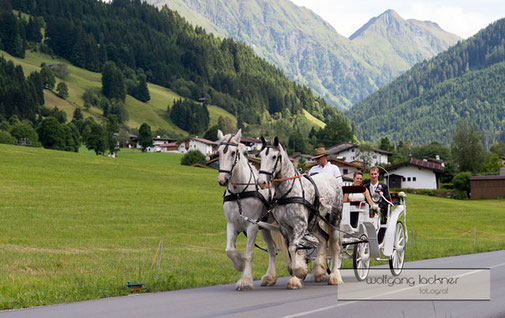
(335, 279)
(294, 283)
(319, 277)
(301, 273)
(245, 284)
(268, 280)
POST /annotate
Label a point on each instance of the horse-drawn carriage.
(370, 234)
(303, 206)
(379, 235)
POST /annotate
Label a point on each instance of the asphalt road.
(313, 300)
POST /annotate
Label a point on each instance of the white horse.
(244, 201)
(295, 197)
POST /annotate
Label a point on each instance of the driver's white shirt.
(327, 169)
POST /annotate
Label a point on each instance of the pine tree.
(145, 136)
(113, 82)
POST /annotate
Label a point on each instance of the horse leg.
(246, 282)
(231, 238)
(285, 252)
(335, 250)
(319, 272)
(298, 263)
(270, 278)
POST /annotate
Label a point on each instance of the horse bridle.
(279, 158)
(225, 150)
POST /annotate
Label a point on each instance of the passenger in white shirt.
(324, 166)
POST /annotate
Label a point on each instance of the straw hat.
(318, 153)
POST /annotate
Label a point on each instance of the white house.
(415, 174)
(347, 169)
(205, 146)
(251, 144)
(161, 145)
(160, 141)
(349, 152)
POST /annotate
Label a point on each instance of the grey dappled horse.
(240, 177)
(293, 218)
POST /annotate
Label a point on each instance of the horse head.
(271, 161)
(229, 149)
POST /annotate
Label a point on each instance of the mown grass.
(317, 122)
(153, 112)
(76, 226)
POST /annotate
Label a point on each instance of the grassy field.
(153, 112)
(76, 226)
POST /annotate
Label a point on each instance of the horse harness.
(245, 194)
(284, 200)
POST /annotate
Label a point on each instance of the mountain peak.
(390, 13)
(388, 17)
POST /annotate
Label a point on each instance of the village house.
(205, 146)
(349, 152)
(162, 145)
(488, 187)
(298, 156)
(252, 144)
(415, 174)
(347, 169)
(213, 162)
(127, 140)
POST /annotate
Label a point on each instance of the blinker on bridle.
(271, 174)
(225, 150)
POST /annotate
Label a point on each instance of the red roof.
(419, 163)
(205, 141)
(335, 150)
(202, 140)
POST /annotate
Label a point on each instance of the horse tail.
(280, 244)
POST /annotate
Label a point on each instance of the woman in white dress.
(358, 180)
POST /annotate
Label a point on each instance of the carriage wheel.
(397, 258)
(361, 259)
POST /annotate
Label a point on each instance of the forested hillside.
(310, 51)
(173, 54)
(424, 104)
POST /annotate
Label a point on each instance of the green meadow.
(75, 226)
(153, 112)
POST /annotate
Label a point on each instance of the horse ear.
(276, 142)
(238, 135)
(219, 134)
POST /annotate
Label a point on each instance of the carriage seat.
(354, 189)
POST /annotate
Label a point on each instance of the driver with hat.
(323, 165)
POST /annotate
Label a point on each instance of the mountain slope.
(306, 47)
(395, 43)
(173, 54)
(152, 112)
(424, 104)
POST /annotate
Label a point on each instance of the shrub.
(192, 157)
(6, 138)
(461, 181)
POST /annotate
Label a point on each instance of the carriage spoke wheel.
(398, 256)
(361, 259)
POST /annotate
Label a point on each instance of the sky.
(461, 17)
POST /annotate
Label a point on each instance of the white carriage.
(370, 234)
